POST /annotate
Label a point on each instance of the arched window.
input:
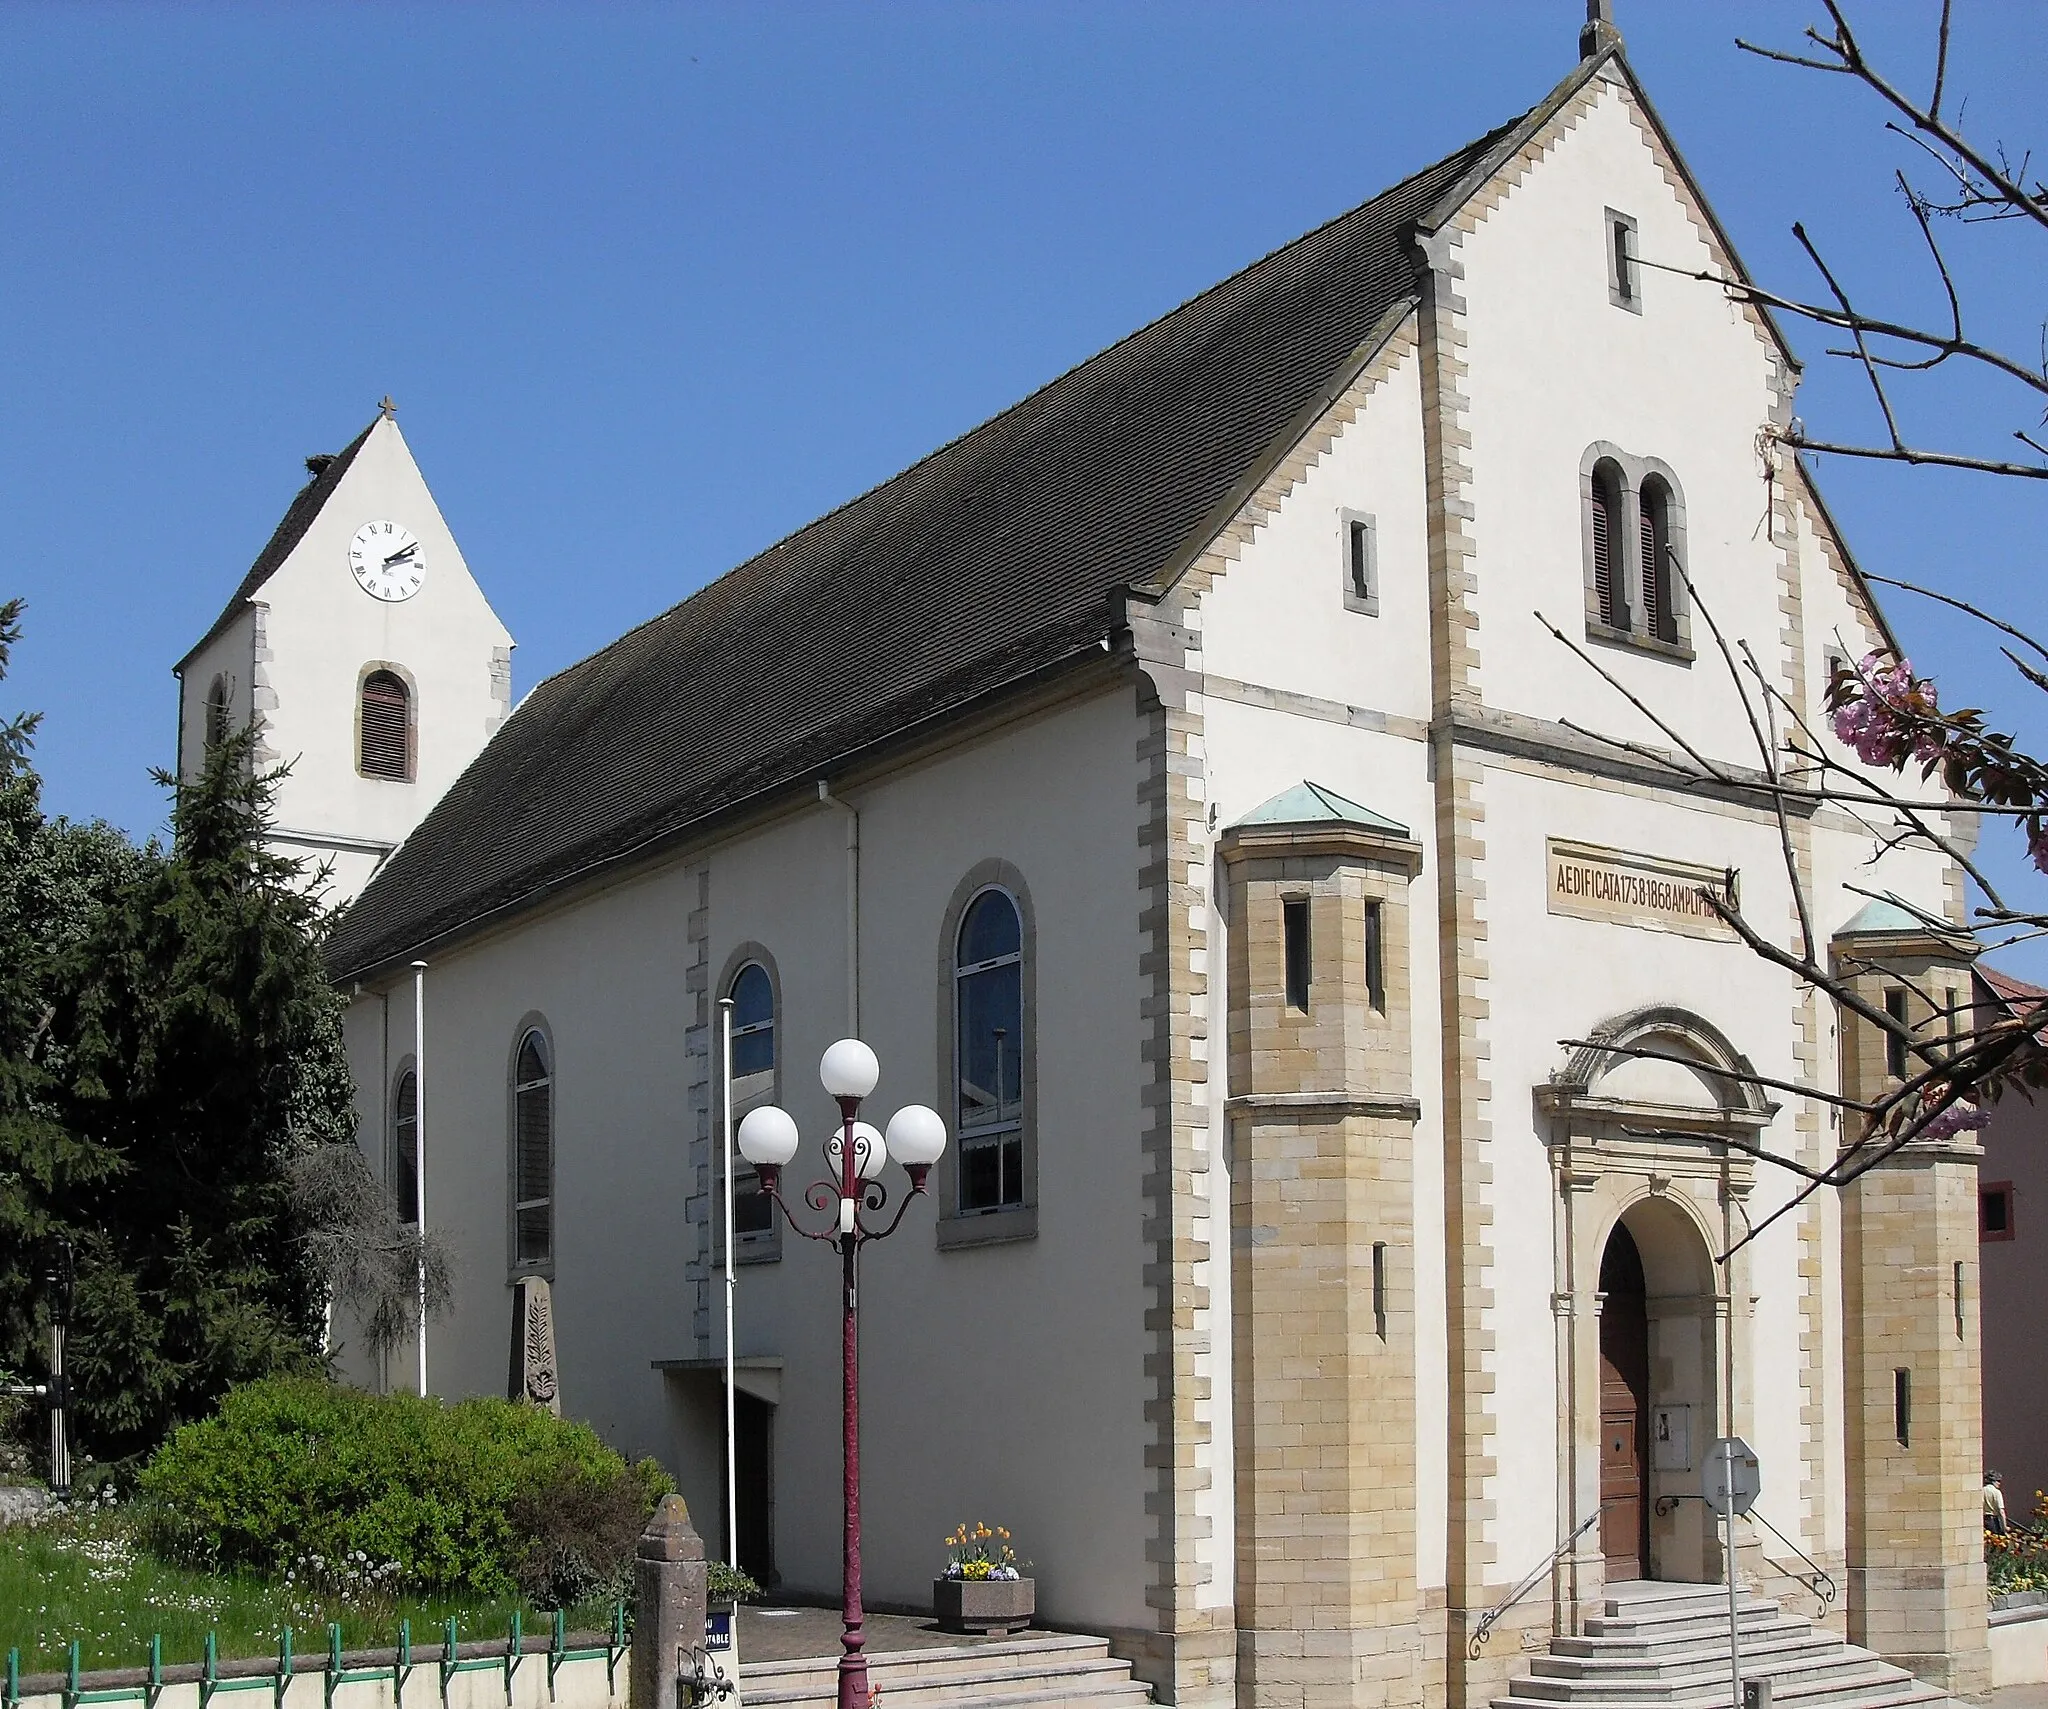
(753, 1036)
(1609, 600)
(989, 1053)
(386, 746)
(1659, 567)
(752, 991)
(533, 1154)
(218, 713)
(405, 1146)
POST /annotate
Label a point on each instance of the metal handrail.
(1491, 1617)
(1821, 1583)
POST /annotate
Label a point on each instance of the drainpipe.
(827, 799)
(419, 1147)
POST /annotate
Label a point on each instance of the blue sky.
(654, 285)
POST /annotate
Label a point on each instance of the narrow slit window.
(1361, 565)
(1902, 1406)
(1959, 1299)
(1624, 282)
(1379, 1288)
(1375, 958)
(1895, 1040)
(1294, 930)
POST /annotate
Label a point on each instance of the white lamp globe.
(916, 1136)
(768, 1137)
(849, 1069)
(870, 1151)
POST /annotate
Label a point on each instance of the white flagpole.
(419, 1145)
(732, 1475)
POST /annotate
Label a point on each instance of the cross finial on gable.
(1599, 33)
(387, 408)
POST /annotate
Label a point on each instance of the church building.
(1176, 781)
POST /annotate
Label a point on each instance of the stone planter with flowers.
(983, 1588)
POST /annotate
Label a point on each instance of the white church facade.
(1174, 782)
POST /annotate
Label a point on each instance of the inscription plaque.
(1646, 891)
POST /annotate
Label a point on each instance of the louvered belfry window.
(217, 712)
(1606, 555)
(1658, 577)
(387, 727)
(533, 1155)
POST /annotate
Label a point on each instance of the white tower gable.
(299, 642)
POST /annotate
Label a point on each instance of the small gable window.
(385, 746)
(218, 713)
(1359, 543)
(1624, 270)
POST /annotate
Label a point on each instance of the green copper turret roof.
(1311, 804)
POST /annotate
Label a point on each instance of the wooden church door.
(1624, 1410)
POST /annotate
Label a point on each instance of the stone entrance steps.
(1665, 1646)
(1038, 1670)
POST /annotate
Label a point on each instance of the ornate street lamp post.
(855, 1155)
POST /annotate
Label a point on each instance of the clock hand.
(407, 552)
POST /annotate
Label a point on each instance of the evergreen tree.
(203, 1049)
(54, 878)
(170, 1056)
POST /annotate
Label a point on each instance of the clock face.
(387, 561)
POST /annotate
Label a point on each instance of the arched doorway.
(1624, 1409)
(1648, 1325)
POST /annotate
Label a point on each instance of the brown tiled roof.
(298, 517)
(999, 556)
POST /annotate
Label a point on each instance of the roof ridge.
(1038, 391)
(995, 558)
(307, 503)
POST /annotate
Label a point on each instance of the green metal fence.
(274, 1674)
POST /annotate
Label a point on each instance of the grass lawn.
(88, 1579)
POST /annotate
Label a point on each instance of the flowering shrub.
(1889, 717)
(981, 1551)
(2019, 1560)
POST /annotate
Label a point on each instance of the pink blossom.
(1885, 723)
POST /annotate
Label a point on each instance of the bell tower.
(1911, 1365)
(363, 652)
(1322, 1128)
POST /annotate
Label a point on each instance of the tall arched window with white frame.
(533, 1154)
(752, 991)
(990, 1047)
